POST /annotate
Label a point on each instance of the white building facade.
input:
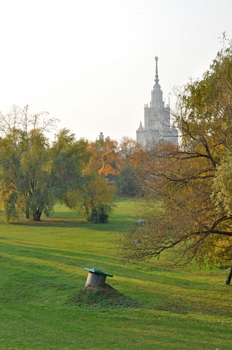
(157, 125)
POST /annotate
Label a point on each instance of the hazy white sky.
(91, 63)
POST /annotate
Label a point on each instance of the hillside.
(150, 305)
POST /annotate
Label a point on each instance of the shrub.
(99, 214)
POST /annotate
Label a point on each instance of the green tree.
(179, 180)
(222, 185)
(127, 182)
(95, 199)
(35, 174)
(34, 194)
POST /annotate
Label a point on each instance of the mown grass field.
(41, 269)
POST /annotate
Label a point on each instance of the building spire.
(156, 71)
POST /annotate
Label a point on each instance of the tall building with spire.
(156, 119)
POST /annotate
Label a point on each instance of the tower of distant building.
(101, 136)
(156, 119)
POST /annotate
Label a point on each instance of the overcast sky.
(91, 63)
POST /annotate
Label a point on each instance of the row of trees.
(35, 174)
(190, 186)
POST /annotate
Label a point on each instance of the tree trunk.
(37, 215)
(229, 276)
(27, 213)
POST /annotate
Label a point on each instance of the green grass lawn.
(41, 270)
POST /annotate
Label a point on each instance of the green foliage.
(222, 185)
(99, 214)
(127, 182)
(35, 174)
(95, 200)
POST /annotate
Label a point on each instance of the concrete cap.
(98, 272)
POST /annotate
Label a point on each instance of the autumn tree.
(117, 161)
(105, 157)
(110, 159)
(184, 182)
(96, 148)
(109, 156)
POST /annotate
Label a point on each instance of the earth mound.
(103, 296)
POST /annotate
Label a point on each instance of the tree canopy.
(109, 156)
(188, 186)
(35, 174)
(127, 181)
(95, 199)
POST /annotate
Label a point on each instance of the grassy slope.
(41, 268)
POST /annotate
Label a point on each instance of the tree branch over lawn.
(188, 187)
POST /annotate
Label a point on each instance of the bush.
(99, 214)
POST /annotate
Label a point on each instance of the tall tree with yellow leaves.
(184, 183)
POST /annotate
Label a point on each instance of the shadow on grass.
(114, 224)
